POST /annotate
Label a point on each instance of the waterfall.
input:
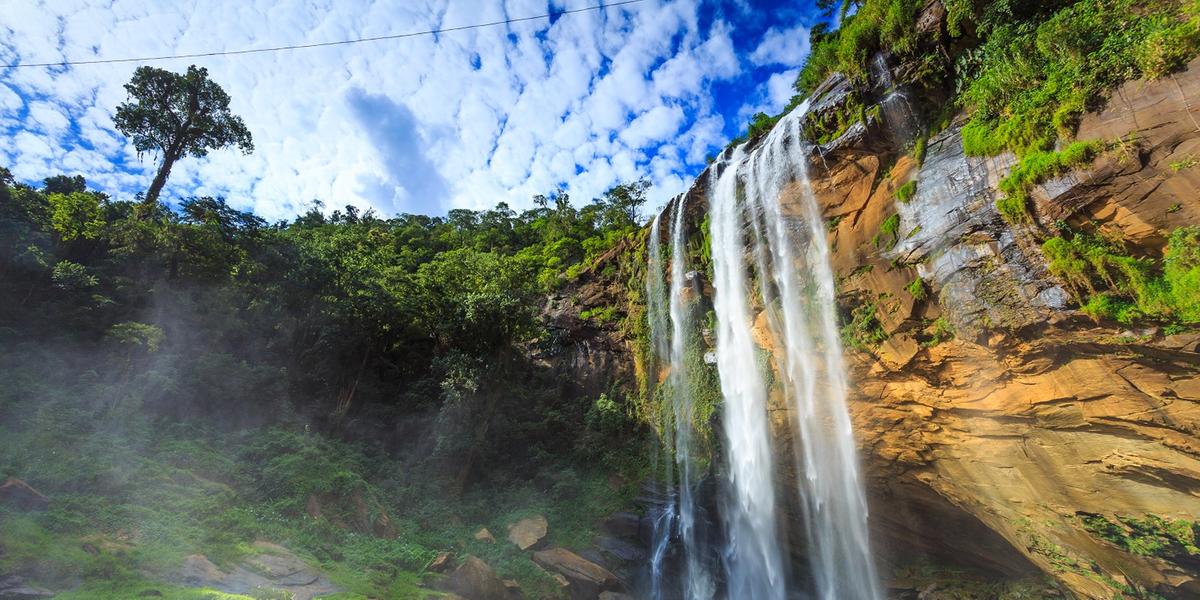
(772, 281)
(656, 317)
(698, 584)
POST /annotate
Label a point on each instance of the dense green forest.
(191, 377)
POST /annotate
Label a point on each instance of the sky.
(462, 119)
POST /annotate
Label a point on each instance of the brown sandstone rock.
(587, 579)
(440, 563)
(484, 535)
(475, 580)
(528, 532)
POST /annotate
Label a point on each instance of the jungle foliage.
(192, 376)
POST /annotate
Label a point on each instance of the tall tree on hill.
(178, 115)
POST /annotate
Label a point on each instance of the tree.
(178, 115)
(63, 184)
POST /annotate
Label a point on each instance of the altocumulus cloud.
(462, 119)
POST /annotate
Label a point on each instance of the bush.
(917, 289)
(865, 330)
(1168, 48)
(1113, 285)
(1034, 80)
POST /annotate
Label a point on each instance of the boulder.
(475, 580)
(528, 532)
(440, 563)
(484, 535)
(587, 578)
(21, 495)
(273, 569)
(615, 596)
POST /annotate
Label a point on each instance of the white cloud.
(466, 119)
(787, 47)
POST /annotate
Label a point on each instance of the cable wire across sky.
(101, 61)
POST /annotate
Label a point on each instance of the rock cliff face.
(1036, 440)
(1036, 427)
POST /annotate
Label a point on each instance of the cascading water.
(697, 581)
(656, 314)
(753, 556)
(769, 257)
(681, 517)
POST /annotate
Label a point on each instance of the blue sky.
(459, 120)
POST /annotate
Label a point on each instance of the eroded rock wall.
(1035, 421)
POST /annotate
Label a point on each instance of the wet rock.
(587, 578)
(621, 550)
(528, 532)
(22, 496)
(273, 569)
(615, 596)
(622, 524)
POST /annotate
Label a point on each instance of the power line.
(397, 36)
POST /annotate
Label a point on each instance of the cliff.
(1022, 440)
(1002, 428)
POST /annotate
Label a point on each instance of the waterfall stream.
(776, 347)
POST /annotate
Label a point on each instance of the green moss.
(1147, 536)
(906, 192)
(1038, 167)
(917, 289)
(938, 332)
(890, 227)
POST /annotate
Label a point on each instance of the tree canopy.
(176, 116)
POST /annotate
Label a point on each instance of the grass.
(906, 192)
(1186, 162)
(1036, 168)
(130, 498)
(1110, 284)
(1031, 81)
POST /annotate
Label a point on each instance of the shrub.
(1111, 284)
(1034, 80)
(865, 330)
(1168, 48)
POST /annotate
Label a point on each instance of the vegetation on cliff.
(1112, 284)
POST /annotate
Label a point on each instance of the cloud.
(782, 47)
(410, 181)
(462, 119)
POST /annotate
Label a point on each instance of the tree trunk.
(161, 178)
